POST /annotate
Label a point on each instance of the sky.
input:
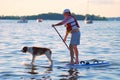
(106, 8)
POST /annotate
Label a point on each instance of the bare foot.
(71, 63)
(76, 62)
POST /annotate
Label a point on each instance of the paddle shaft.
(61, 37)
(62, 40)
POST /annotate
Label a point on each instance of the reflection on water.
(98, 41)
(33, 70)
(72, 75)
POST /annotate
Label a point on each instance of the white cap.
(66, 10)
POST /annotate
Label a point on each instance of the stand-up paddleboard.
(90, 63)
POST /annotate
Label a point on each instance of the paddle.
(61, 37)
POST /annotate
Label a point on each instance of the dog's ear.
(25, 49)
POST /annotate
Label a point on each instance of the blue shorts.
(75, 38)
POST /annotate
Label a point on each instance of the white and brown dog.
(37, 51)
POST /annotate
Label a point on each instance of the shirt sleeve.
(64, 21)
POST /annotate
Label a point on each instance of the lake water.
(100, 40)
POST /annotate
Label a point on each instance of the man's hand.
(53, 25)
(64, 40)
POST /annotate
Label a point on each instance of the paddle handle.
(61, 37)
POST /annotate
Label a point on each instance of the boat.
(39, 20)
(88, 18)
(22, 20)
(88, 21)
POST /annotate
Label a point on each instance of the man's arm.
(66, 35)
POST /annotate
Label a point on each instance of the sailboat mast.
(87, 10)
(87, 20)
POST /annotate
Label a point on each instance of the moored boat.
(88, 21)
(22, 20)
(39, 20)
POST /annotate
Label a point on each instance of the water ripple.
(98, 41)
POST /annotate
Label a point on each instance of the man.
(72, 27)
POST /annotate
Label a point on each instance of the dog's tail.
(50, 52)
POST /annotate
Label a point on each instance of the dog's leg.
(48, 54)
(33, 59)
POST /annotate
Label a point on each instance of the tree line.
(52, 16)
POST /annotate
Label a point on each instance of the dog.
(37, 51)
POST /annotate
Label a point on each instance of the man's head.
(66, 12)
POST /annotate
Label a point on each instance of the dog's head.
(25, 49)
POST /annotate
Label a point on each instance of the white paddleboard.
(90, 63)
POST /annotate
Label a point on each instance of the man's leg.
(76, 54)
(71, 54)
